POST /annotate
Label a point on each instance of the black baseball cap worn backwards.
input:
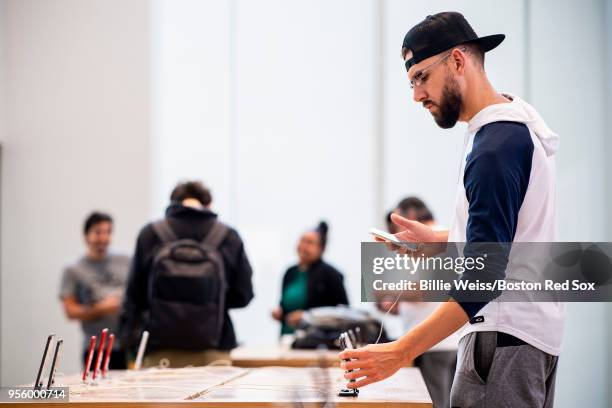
(441, 32)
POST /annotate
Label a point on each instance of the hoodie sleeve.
(496, 178)
(238, 272)
(135, 300)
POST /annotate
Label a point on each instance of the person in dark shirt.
(311, 283)
(189, 216)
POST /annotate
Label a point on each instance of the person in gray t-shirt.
(92, 288)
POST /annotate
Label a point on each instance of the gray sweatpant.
(438, 370)
(510, 376)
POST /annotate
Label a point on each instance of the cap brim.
(487, 43)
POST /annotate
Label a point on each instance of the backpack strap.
(164, 231)
(216, 235)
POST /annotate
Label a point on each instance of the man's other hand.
(373, 363)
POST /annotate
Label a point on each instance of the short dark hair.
(388, 219)
(322, 229)
(191, 189)
(416, 205)
(94, 219)
(476, 51)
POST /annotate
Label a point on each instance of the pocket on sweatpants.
(466, 374)
(483, 354)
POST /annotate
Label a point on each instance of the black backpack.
(187, 289)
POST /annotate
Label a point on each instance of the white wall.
(305, 117)
(77, 139)
(191, 128)
(2, 136)
(2, 81)
(606, 17)
(567, 87)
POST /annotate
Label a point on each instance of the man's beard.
(450, 106)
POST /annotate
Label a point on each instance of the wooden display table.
(265, 356)
(239, 387)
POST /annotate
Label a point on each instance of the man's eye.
(423, 78)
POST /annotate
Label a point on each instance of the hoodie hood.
(517, 111)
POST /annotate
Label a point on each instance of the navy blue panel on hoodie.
(496, 177)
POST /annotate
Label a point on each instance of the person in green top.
(311, 283)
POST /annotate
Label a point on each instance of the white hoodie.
(537, 323)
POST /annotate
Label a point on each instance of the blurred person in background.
(412, 208)
(438, 364)
(188, 270)
(309, 284)
(92, 288)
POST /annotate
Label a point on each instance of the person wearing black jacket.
(189, 216)
(309, 284)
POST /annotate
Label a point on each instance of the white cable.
(382, 321)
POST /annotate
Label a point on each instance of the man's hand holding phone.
(412, 233)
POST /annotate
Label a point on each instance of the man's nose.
(418, 95)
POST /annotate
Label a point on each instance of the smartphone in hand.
(385, 236)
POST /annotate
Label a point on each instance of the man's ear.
(459, 60)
